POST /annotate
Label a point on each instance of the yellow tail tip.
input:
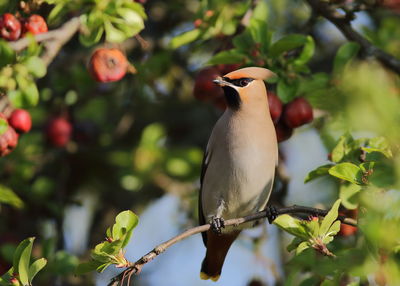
(205, 276)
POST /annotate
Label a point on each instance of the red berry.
(197, 23)
(107, 65)
(35, 24)
(58, 131)
(3, 144)
(8, 141)
(12, 137)
(297, 112)
(21, 120)
(10, 27)
(275, 106)
(227, 68)
(392, 4)
(204, 88)
(14, 281)
(209, 13)
(283, 132)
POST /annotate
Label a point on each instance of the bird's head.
(244, 86)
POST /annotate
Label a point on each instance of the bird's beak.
(221, 82)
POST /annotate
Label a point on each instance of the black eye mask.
(240, 82)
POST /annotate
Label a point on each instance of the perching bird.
(239, 163)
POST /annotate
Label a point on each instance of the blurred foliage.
(142, 137)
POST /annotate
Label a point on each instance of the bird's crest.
(251, 72)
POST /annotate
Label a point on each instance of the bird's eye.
(244, 81)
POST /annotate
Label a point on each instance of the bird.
(238, 165)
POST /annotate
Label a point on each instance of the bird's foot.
(217, 223)
(271, 213)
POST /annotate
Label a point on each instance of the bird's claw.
(217, 224)
(271, 213)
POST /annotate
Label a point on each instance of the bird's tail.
(217, 248)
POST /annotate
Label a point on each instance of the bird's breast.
(241, 169)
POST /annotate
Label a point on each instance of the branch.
(136, 267)
(342, 22)
(53, 40)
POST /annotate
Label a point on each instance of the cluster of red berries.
(285, 117)
(207, 91)
(18, 122)
(11, 28)
(289, 116)
(108, 65)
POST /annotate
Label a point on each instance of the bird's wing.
(204, 165)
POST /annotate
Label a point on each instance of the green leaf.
(307, 52)
(18, 252)
(313, 226)
(383, 176)
(348, 193)
(56, 13)
(16, 97)
(287, 43)
(36, 66)
(7, 54)
(113, 35)
(345, 53)
(347, 171)
(286, 91)
(24, 262)
(87, 267)
(386, 152)
(30, 94)
(293, 245)
(3, 129)
(105, 249)
(103, 267)
(7, 196)
(261, 11)
(327, 282)
(341, 148)
(36, 267)
(318, 172)
(302, 246)
(334, 229)
(126, 220)
(378, 144)
(4, 280)
(291, 225)
(132, 22)
(227, 57)
(89, 39)
(367, 166)
(329, 219)
(185, 38)
(243, 42)
(92, 30)
(259, 32)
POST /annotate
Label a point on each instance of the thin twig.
(343, 24)
(136, 267)
(53, 40)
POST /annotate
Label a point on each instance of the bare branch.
(53, 40)
(342, 22)
(136, 267)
